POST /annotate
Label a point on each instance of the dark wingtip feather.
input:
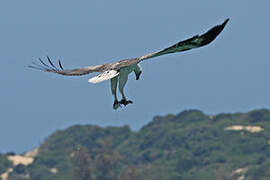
(43, 63)
(34, 67)
(60, 65)
(209, 36)
(225, 22)
(46, 67)
(51, 62)
(38, 65)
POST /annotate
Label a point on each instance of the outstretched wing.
(194, 42)
(68, 72)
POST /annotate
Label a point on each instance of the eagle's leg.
(122, 82)
(114, 82)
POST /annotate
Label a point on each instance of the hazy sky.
(230, 75)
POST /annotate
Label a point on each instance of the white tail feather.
(104, 76)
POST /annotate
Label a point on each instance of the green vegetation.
(190, 145)
(4, 163)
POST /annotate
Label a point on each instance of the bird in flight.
(118, 71)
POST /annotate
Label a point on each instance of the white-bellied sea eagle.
(118, 71)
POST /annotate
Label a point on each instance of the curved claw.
(125, 102)
(116, 105)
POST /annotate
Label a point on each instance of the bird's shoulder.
(124, 63)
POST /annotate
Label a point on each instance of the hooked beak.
(138, 76)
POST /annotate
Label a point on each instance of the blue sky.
(229, 75)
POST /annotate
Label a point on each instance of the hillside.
(190, 145)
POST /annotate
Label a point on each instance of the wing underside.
(50, 67)
(191, 43)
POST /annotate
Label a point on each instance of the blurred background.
(229, 75)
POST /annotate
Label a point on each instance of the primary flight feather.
(118, 71)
